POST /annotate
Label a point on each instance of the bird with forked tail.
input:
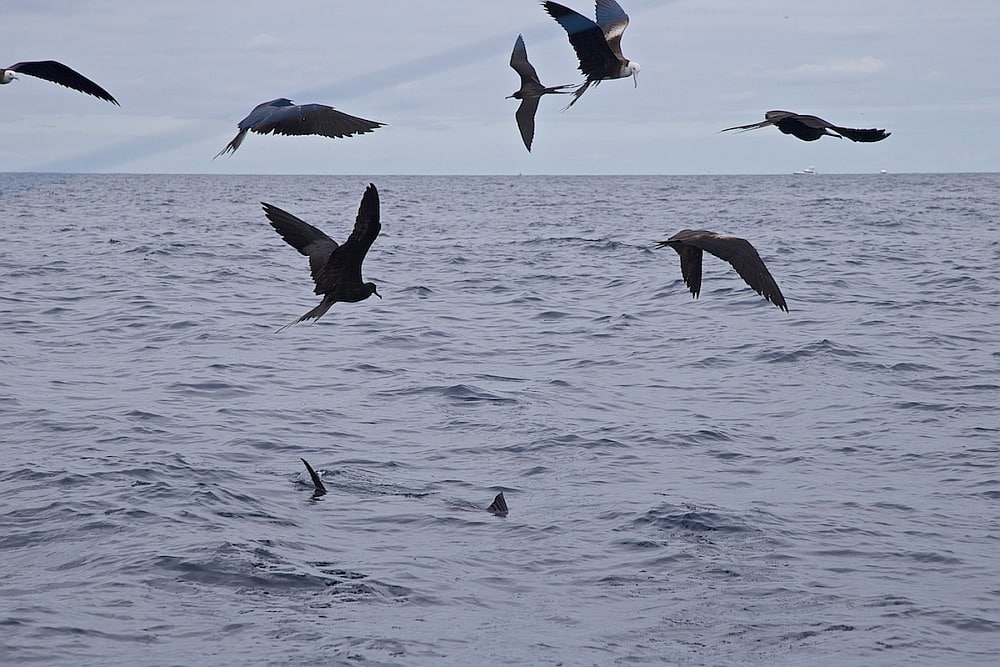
(598, 45)
(530, 92)
(811, 128)
(336, 269)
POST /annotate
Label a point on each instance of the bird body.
(56, 72)
(597, 44)
(811, 128)
(530, 92)
(336, 269)
(743, 257)
(282, 116)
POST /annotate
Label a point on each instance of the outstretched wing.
(519, 62)
(525, 116)
(344, 264)
(613, 21)
(744, 258)
(56, 72)
(770, 118)
(588, 40)
(302, 236)
(690, 259)
(299, 119)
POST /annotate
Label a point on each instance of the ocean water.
(690, 482)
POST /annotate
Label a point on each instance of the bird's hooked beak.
(635, 78)
(376, 294)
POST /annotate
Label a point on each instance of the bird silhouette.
(56, 72)
(689, 244)
(598, 45)
(530, 92)
(811, 128)
(336, 269)
(318, 488)
(499, 505)
(281, 116)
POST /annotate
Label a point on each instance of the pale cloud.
(263, 41)
(840, 70)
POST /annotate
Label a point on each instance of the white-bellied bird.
(56, 72)
(598, 45)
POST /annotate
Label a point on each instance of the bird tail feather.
(578, 92)
(313, 314)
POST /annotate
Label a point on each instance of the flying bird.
(811, 128)
(281, 116)
(529, 94)
(598, 45)
(56, 72)
(336, 269)
(689, 244)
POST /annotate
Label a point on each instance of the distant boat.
(883, 172)
(807, 170)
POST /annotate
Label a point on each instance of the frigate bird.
(336, 269)
(689, 244)
(281, 116)
(811, 128)
(499, 505)
(56, 72)
(318, 488)
(530, 92)
(598, 45)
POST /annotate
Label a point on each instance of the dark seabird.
(811, 128)
(530, 92)
(280, 116)
(56, 72)
(336, 269)
(499, 505)
(689, 244)
(598, 45)
(319, 489)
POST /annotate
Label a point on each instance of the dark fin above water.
(499, 506)
(317, 482)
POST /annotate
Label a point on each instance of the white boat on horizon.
(807, 170)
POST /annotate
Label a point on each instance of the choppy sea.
(690, 482)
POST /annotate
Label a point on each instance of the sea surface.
(690, 482)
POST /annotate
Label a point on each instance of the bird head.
(633, 69)
(8, 76)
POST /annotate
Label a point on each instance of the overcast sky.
(436, 71)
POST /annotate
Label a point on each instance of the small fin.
(317, 482)
(499, 506)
